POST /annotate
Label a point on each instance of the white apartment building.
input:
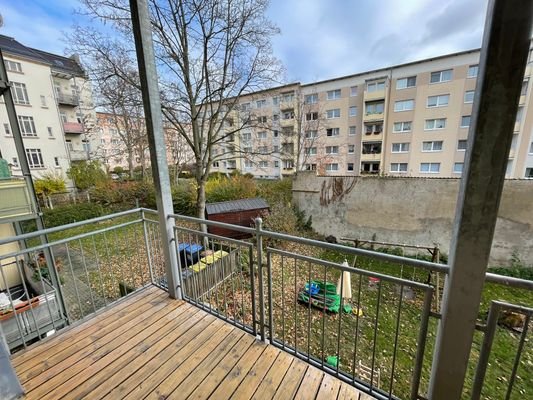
(405, 120)
(54, 106)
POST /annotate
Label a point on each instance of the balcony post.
(156, 140)
(502, 64)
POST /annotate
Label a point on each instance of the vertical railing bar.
(97, 259)
(270, 302)
(136, 245)
(27, 292)
(147, 247)
(357, 324)
(45, 292)
(376, 323)
(283, 300)
(396, 341)
(295, 310)
(238, 256)
(323, 318)
(259, 239)
(234, 297)
(309, 313)
(87, 275)
(339, 328)
(69, 258)
(130, 270)
(517, 358)
(108, 257)
(15, 314)
(252, 289)
(119, 265)
(420, 348)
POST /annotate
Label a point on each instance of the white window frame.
(442, 76)
(311, 98)
(352, 130)
(311, 116)
(56, 162)
(441, 100)
(466, 97)
(351, 149)
(398, 170)
(7, 130)
(401, 147)
(13, 66)
(246, 136)
(455, 165)
(375, 86)
(400, 105)
(311, 134)
(332, 150)
(27, 126)
(263, 164)
(530, 151)
(15, 162)
(311, 151)
(432, 145)
(35, 158)
(469, 121)
(373, 106)
(334, 132)
(20, 93)
(430, 165)
(473, 71)
(353, 91)
(461, 141)
(352, 111)
(332, 167)
(434, 120)
(402, 127)
(262, 135)
(400, 83)
(333, 113)
(334, 94)
(350, 166)
(260, 103)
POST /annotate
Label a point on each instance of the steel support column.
(502, 64)
(156, 141)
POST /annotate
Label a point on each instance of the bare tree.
(210, 53)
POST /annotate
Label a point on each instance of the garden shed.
(236, 212)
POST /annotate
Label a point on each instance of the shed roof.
(235, 205)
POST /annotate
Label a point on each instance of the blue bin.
(189, 253)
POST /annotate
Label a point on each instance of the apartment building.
(54, 107)
(405, 120)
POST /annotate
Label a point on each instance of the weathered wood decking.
(150, 346)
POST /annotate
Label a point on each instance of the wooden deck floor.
(153, 347)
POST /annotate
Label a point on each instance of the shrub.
(281, 219)
(86, 174)
(275, 190)
(184, 199)
(232, 188)
(50, 183)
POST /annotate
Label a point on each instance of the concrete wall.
(411, 211)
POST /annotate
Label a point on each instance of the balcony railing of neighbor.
(370, 321)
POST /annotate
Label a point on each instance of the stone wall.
(411, 211)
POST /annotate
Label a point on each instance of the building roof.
(235, 205)
(68, 65)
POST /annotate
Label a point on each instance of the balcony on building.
(375, 90)
(374, 111)
(369, 167)
(67, 99)
(78, 155)
(15, 199)
(287, 101)
(72, 127)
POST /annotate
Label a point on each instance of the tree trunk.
(130, 163)
(200, 202)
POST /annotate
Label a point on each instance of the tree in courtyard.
(86, 174)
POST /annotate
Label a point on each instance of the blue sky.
(319, 39)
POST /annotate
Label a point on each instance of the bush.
(67, 214)
(124, 194)
(184, 199)
(232, 188)
(275, 190)
(50, 183)
(86, 174)
(281, 219)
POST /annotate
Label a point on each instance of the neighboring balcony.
(15, 199)
(375, 95)
(68, 100)
(78, 155)
(73, 127)
(373, 116)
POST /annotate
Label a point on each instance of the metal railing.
(370, 322)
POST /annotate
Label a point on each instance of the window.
(461, 145)
(375, 107)
(216, 164)
(371, 148)
(404, 83)
(404, 126)
(263, 164)
(20, 94)
(469, 96)
(432, 146)
(335, 113)
(351, 148)
(375, 129)
(472, 71)
(70, 147)
(27, 126)
(332, 167)
(275, 149)
(353, 91)
(7, 129)
(465, 121)
(63, 117)
(332, 149)
(113, 141)
(288, 115)
(275, 117)
(310, 151)
(262, 149)
(288, 164)
(457, 167)
(276, 164)
(35, 158)
(332, 131)
(398, 167)
(248, 164)
(400, 147)
(311, 134)
(441, 76)
(334, 94)
(247, 136)
(56, 161)
(375, 86)
(275, 100)
(262, 120)
(519, 113)
(102, 141)
(276, 133)
(287, 97)
(13, 66)
(430, 168)
(311, 98)
(523, 91)
(351, 130)
(432, 124)
(50, 132)
(15, 162)
(438, 101)
(247, 149)
(245, 106)
(261, 103)
(370, 168)
(404, 105)
(353, 111)
(261, 135)
(312, 116)
(43, 101)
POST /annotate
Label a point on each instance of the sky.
(320, 39)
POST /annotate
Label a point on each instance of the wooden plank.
(114, 360)
(219, 372)
(127, 379)
(273, 378)
(256, 374)
(239, 372)
(87, 327)
(310, 384)
(62, 351)
(182, 381)
(163, 365)
(348, 392)
(329, 388)
(73, 365)
(291, 381)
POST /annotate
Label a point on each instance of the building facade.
(406, 120)
(54, 106)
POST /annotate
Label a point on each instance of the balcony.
(242, 330)
(73, 127)
(375, 95)
(373, 116)
(371, 157)
(67, 100)
(15, 200)
(78, 155)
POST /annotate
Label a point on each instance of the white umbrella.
(345, 281)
